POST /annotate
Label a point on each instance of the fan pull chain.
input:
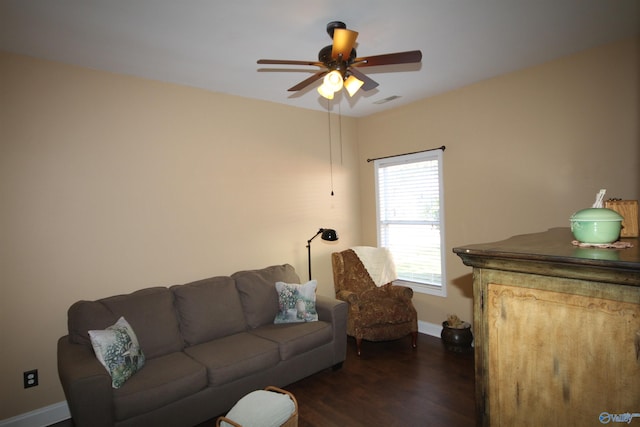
(340, 124)
(330, 144)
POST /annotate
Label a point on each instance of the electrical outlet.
(30, 378)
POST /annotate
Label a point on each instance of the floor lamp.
(328, 234)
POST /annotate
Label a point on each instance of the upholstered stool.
(271, 407)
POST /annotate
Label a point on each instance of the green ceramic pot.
(596, 225)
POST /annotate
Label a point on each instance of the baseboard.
(429, 328)
(52, 414)
(41, 417)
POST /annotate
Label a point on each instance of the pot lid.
(596, 214)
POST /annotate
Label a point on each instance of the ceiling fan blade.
(308, 81)
(389, 59)
(368, 83)
(288, 62)
(343, 41)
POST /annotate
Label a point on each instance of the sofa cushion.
(148, 311)
(296, 338)
(84, 316)
(258, 294)
(235, 356)
(208, 309)
(163, 380)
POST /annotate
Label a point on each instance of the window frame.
(424, 288)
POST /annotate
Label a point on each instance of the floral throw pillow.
(296, 303)
(118, 350)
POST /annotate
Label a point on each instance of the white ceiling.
(215, 44)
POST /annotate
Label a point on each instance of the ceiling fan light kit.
(339, 63)
(333, 80)
(325, 92)
(352, 84)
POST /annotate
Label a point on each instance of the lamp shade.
(329, 235)
(352, 84)
(333, 81)
(325, 92)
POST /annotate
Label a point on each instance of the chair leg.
(359, 346)
(414, 339)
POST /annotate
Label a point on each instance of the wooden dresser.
(557, 331)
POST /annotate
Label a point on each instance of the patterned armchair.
(375, 313)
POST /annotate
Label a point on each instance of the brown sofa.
(206, 343)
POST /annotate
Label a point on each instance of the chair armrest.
(375, 294)
(348, 296)
(86, 384)
(399, 291)
(387, 291)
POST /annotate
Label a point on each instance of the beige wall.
(111, 183)
(524, 151)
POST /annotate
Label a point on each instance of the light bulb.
(333, 81)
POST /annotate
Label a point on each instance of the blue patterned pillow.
(296, 303)
(118, 350)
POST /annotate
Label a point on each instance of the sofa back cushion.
(258, 294)
(209, 309)
(150, 312)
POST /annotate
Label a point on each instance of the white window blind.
(410, 217)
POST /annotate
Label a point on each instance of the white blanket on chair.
(378, 262)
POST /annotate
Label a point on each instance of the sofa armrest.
(331, 310)
(335, 311)
(86, 384)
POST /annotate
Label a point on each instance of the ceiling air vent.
(385, 100)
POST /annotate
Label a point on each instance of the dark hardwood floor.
(389, 385)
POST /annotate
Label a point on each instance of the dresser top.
(555, 248)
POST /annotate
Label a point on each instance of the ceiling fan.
(341, 64)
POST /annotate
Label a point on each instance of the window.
(410, 218)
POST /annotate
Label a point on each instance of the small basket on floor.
(271, 407)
